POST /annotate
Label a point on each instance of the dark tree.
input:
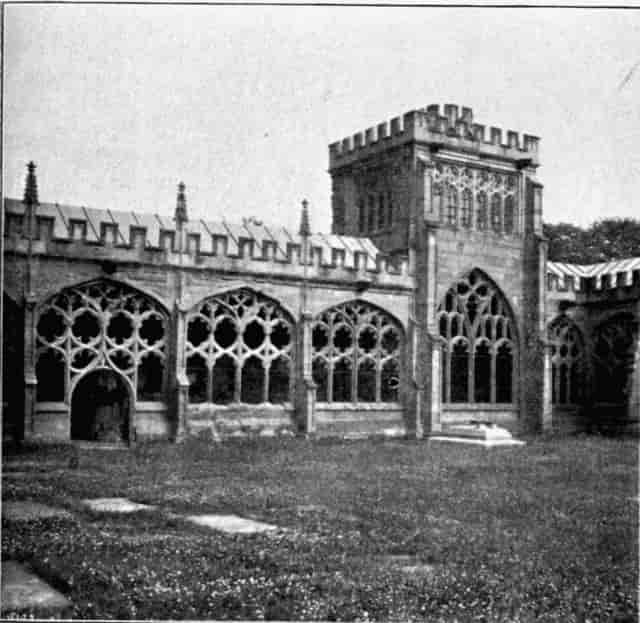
(604, 240)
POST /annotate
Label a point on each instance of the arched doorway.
(100, 408)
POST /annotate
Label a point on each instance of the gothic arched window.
(102, 324)
(381, 211)
(478, 350)
(496, 213)
(239, 350)
(436, 200)
(465, 212)
(356, 354)
(452, 205)
(481, 213)
(371, 225)
(510, 216)
(615, 343)
(362, 217)
(389, 208)
(566, 362)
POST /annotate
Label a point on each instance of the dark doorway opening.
(100, 408)
(12, 370)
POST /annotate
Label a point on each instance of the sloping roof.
(597, 271)
(251, 229)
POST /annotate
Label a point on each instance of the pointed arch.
(356, 353)
(567, 361)
(474, 309)
(239, 348)
(615, 341)
(102, 323)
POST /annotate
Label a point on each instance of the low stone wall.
(220, 422)
(51, 422)
(359, 420)
(502, 415)
(152, 421)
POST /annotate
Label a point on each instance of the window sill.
(359, 406)
(479, 406)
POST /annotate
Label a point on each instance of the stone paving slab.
(231, 523)
(24, 591)
(19, 510)
(115, 505)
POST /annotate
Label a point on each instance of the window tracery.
(567, 360)
(458, 191)
(615, 342)
(478, 347)
(239, 350)
(356, 354)
(100, 325)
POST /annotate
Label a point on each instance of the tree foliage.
(604, 240)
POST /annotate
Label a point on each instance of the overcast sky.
(117, 104)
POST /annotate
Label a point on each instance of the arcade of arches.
(104, 349)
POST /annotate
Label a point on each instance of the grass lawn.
(372, 530)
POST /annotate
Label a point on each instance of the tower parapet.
(453, 128)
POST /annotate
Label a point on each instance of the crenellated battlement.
(593, 278)
(453, 127)
(250, 246)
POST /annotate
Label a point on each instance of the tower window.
(381, 211)
(362, 217)
(372, 213)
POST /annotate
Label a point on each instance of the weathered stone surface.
(23, 591)
(115, 505)
(231, 523)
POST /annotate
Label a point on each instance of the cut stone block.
(479, 433)
(26, 511)
(22, 591)
(231, 523)
(115, 505)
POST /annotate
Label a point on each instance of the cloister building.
(430, 303)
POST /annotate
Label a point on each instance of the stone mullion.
(493, 380)
(330, 361)
(67, 363)
(210, 362)
(473, 203)
(503, 203)
(447, 372)
(136, 355)
(471, 371)
(239, 356)
(355, 362)
(266, 365)
(378, 356)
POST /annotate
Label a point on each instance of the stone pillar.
(305, 387)
(426, 358)
(181, 389)
(634, 394)
(30, 379)
(547, 405)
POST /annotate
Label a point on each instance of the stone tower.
(454, 197)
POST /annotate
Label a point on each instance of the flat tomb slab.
(487, 443)
(481, 433)
(25, 510)
(24, 591)
(115, 505)
(231, 523)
